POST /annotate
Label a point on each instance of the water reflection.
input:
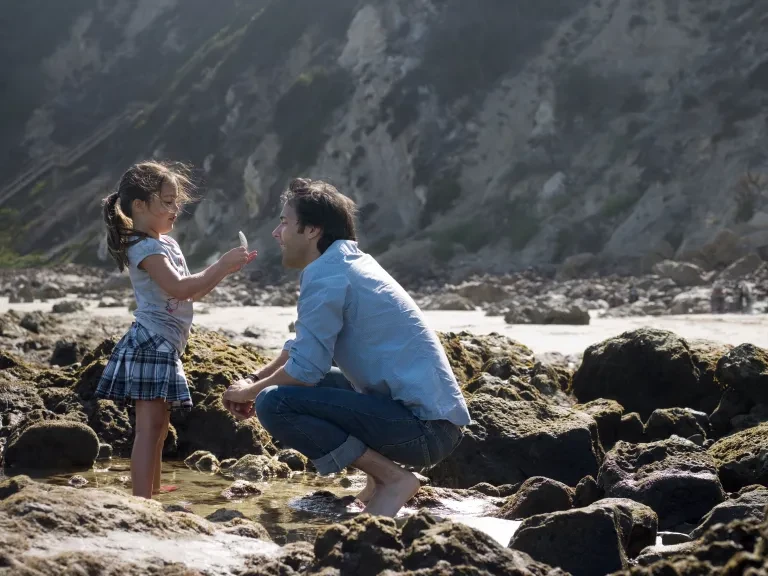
(291, 510)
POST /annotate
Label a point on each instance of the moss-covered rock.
(743, 372)
(470, 355)
(607, 414)
(742, 458)
(675, 477)
(508, 442)
(537, 495)
(255, 468)
(645, 369)
(56, 443)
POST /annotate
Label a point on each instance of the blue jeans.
(333, 425)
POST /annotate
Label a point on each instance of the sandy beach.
(271, 323)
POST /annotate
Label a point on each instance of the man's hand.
(243, 390)
(241, 411)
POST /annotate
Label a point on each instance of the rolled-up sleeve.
(320, 319)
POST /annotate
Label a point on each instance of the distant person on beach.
(717, 299)
(145, 369)
(746, 299)
(392, 399)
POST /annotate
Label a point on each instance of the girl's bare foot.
(369, 490)
(165, 489)
(390, 497)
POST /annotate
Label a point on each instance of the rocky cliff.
(485, 135)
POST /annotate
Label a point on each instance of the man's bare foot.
(390, 497)
(369, 490)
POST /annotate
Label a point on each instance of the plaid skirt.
(145, 366)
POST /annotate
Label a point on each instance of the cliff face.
(488, 134)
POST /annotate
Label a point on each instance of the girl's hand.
(236, 258)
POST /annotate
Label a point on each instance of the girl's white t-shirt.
(157, 310)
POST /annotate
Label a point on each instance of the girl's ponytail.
(118, 230)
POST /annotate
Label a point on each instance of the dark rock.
(112, 425)
(295, 460)
(743, 372)
(587, 492)
(66, 353)
(742, 458)
(53, 444)
(555, 313)
(734, 544)
(607, 414)
(424, 546)
(105, 452)
(541, 440)
(448, 301)
(537, 495)
(241, 489)
(631, 428)
(742, 267)
(31, 322)
(748, 506)
(643, 370)
(676, 478)
(224, 515)
(596, 540)
(682, 422)
(681, 273)
(68, 307)
(77, 481)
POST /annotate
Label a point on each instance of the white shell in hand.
(243, 240)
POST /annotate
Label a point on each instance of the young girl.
(145, 367)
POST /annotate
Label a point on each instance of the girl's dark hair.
(140, 182)
(319, 204)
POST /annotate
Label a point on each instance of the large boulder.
(257, 467)
(742, 458)
(538, 438)
(675, 477)
(645, 369)
(537, 495)
(51, 444)
(681, 273)
(743, 373)
(748, 506)
(742, 267)
(590, 541)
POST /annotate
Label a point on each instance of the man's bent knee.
(267, 403)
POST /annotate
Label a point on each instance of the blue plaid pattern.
(145, 366)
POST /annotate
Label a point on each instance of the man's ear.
(314, 232)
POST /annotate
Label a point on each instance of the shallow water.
(282, 507)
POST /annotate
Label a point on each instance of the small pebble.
(77, 481)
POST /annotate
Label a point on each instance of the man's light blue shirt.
(352, 311)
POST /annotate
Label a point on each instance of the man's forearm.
(273, 366)
(278, 378)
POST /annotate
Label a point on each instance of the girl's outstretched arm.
(185, 287)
